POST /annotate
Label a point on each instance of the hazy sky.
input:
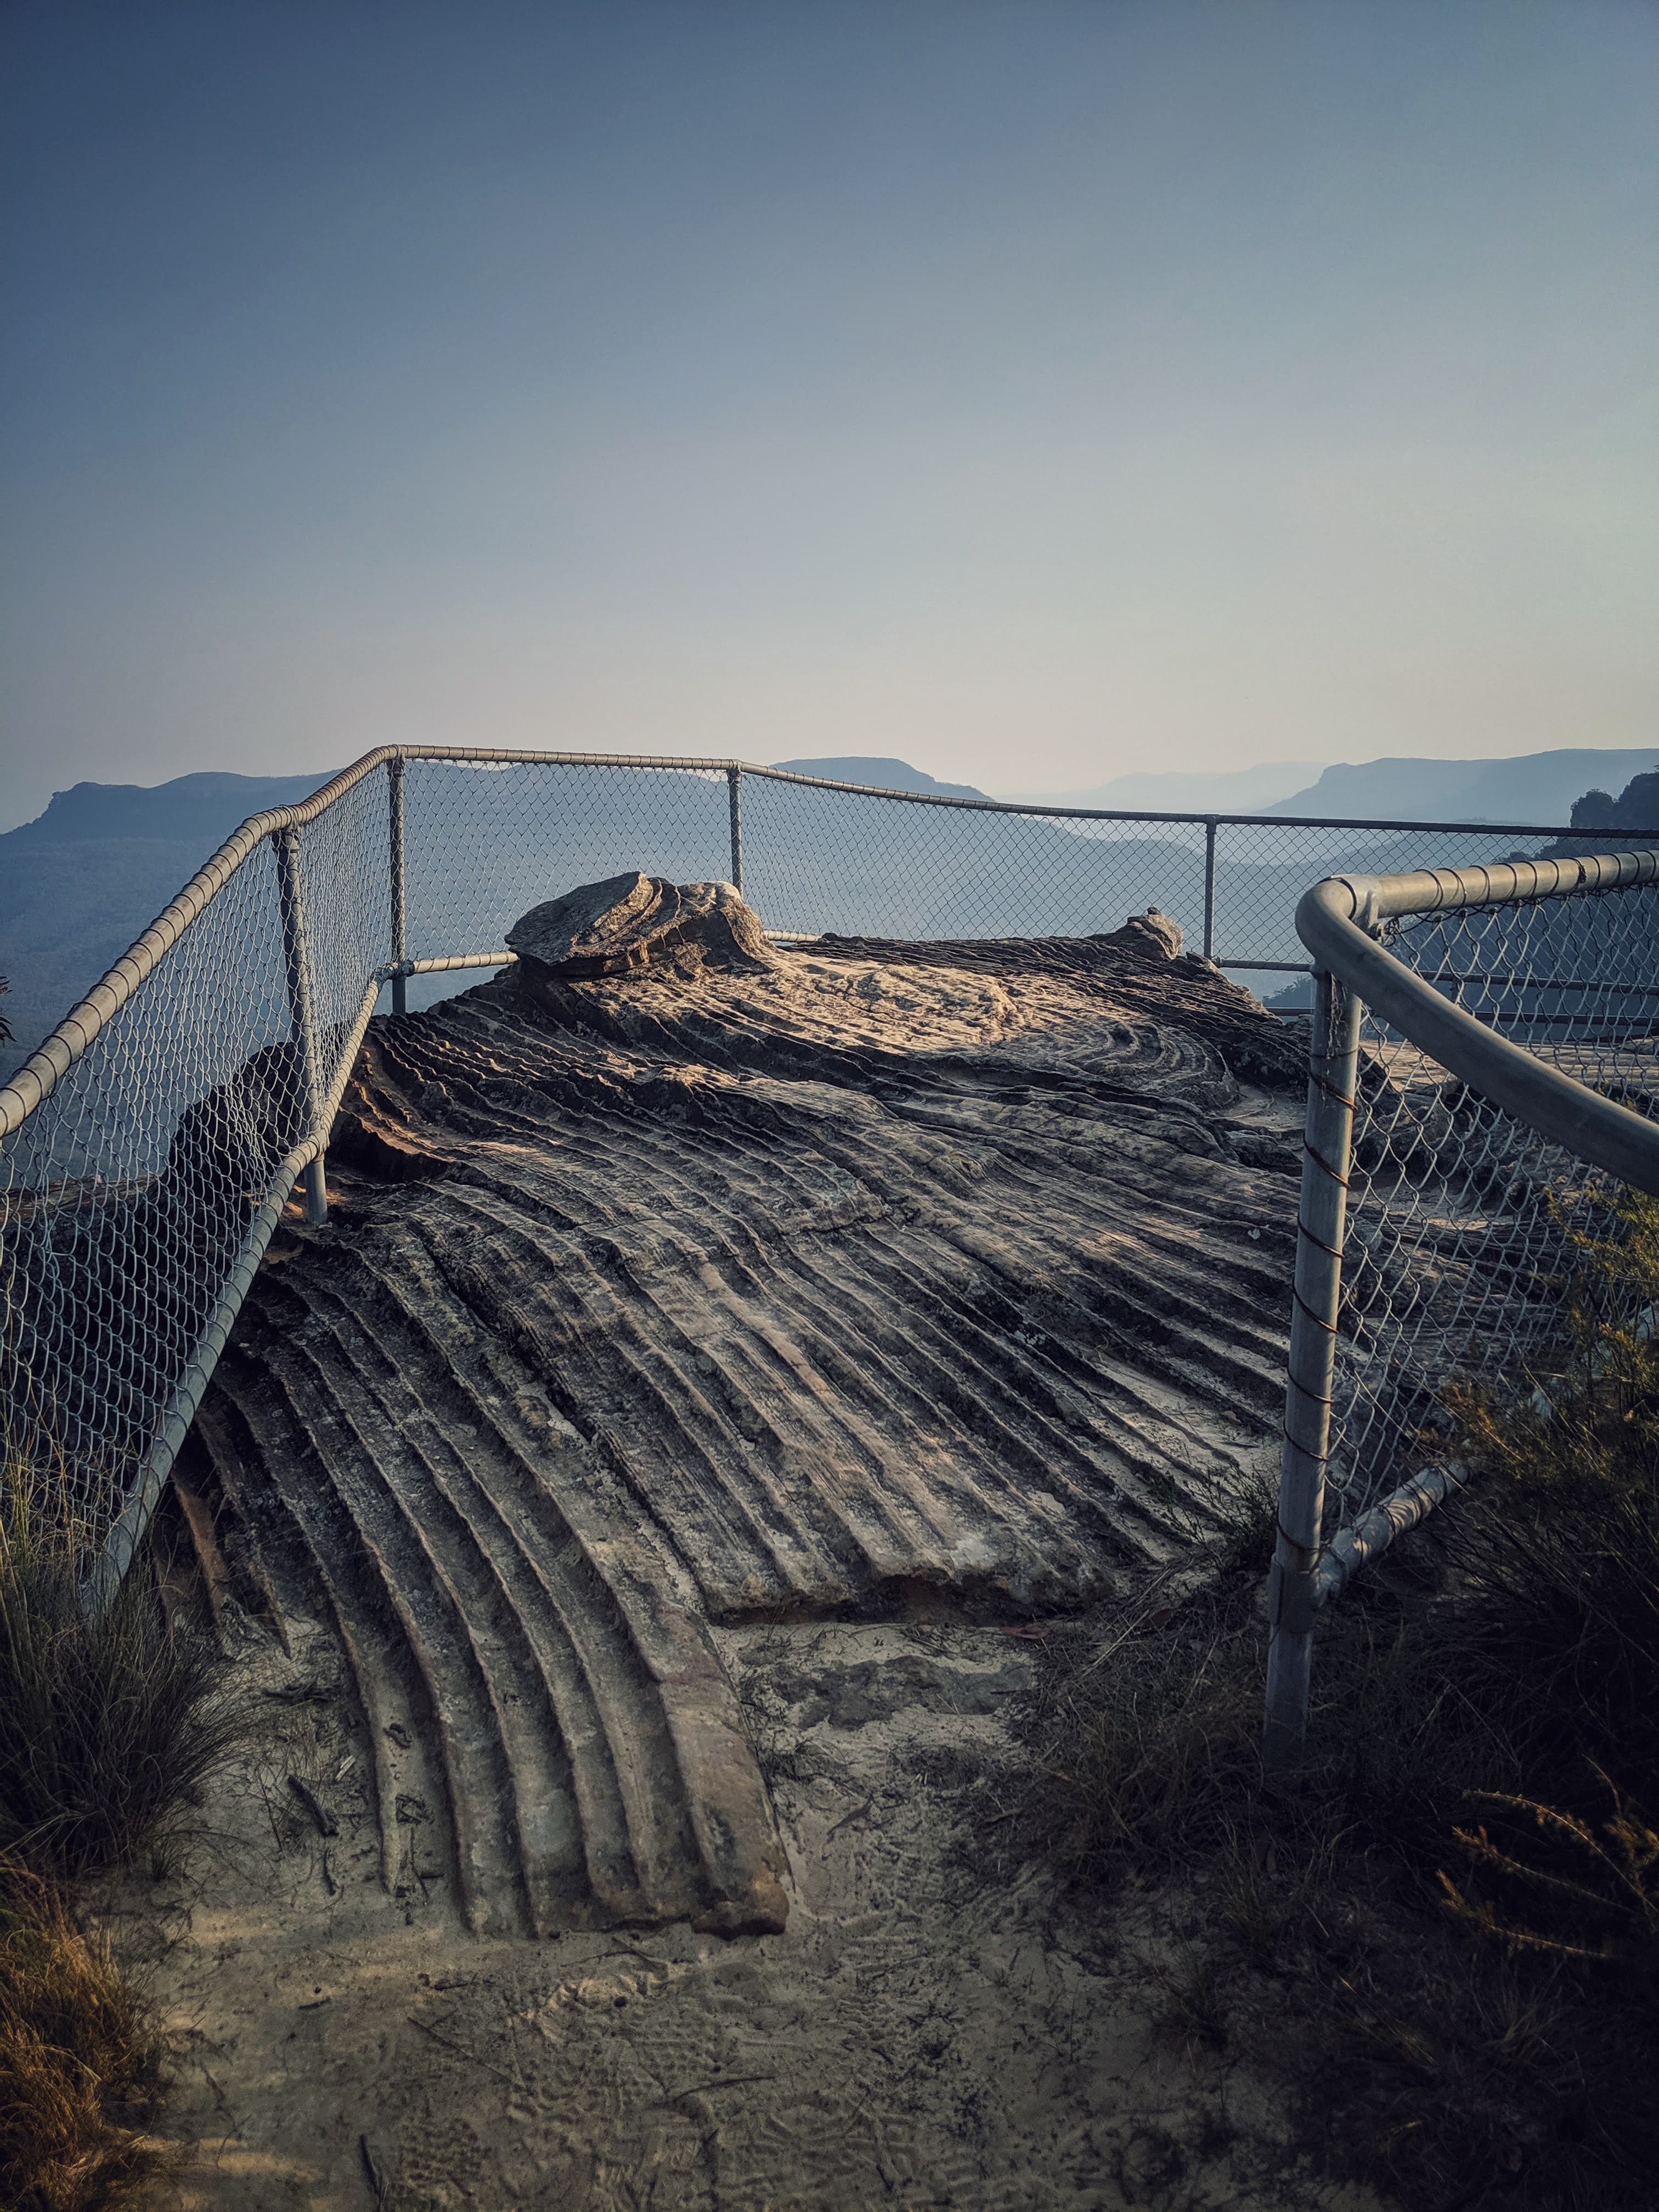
(1036, 392)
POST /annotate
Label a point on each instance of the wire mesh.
(1262, 868)
(125, 1195)
(128, 1195)
(484, 841)
(346, 892)
(822, 860)
(1460, 1256)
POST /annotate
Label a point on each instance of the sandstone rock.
(1152, 935)
(631, 921)
(675, 1281)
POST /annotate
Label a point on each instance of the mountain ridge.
(79, 882)
(1183, 791)
(1524, 788)
(878, 769)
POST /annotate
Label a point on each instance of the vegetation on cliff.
(109, 1722)
(1448, 1933)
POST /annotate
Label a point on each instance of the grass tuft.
(108, 1721)
(80, 2061)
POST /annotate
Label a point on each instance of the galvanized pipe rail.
(399, 899)
(1338, 919)
(734, 786)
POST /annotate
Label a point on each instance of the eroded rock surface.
(675, 1278)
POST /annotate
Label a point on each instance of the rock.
(1152, 935)
(597, 929)
(636, 921)
(849, 1695)
(1279, 1153)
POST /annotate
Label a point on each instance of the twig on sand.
(857, 1812)
(720, 2081)
(459, 2049)
(372, 2169)
(327, 1823)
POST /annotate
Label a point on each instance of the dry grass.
(80, 2061)
(1428, 2056)
(108, 1721)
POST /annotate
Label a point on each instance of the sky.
(1038, 393)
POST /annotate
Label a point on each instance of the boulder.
(636, 921)
(1152, 936)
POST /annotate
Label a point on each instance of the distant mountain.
(1532, 787)
(1187, 791)
(1604, 823)
(79, 882)
(890, 775)
(77, 885)
(187, 811)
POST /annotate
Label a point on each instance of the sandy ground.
(915, 2039)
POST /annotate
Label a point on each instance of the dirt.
(916, 2037)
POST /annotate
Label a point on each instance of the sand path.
(915, 2039)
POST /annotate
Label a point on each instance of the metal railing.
(1484, 1072)
(149, 1147)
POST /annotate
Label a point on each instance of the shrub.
(1449, 1934)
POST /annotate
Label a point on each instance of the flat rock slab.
(860, 1282)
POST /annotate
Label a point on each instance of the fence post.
(400, 952)
(302, 1017)
(734, 786)
(1322, 1219)
(1209, 887)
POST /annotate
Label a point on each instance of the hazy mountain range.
(1229, 791)
(1532, 787)
(890, 775)
(80, 882)
(1535, 788)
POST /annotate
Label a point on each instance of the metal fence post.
(296, 956)
(1292, 1599)
(399, 952)
(734, 786)
(1209, 887)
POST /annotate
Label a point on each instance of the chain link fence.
(148, 1148)
(150, 1145)
(1484, 1078)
